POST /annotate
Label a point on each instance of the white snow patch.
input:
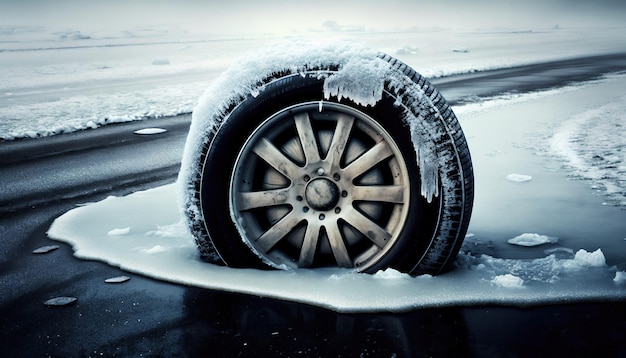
(508, 281)
(173, 230)
(391, 274)
(119, 232)
(518, 178)
(529, 239)
(593, 146)
(150, 131)
(154, 250)
(160, 61)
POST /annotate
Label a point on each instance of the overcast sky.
(291, 16)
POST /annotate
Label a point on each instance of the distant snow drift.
(58, 82)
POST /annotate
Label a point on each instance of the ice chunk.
(508, 281)
(361, 79)
(45, 249)
(620, 277)
(590, 259)
(518, 178)
(118, 279)
(150, 131)
(529, 239)
(60, 301)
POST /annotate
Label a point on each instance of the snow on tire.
(318, 155)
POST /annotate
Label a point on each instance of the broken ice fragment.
(118, 279)
(60, 301)
(590, 259)
(150, 131)
(45, 249)
(532, 240)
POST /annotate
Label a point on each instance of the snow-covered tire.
(303, 168)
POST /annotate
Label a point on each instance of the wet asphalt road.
(43, 178)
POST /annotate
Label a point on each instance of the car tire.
(295, 178)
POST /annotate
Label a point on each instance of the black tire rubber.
(428, 241)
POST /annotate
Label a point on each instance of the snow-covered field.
(61, 81)
(536, 236)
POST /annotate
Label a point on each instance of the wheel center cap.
(322, 194)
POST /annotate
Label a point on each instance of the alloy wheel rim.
(320, 184)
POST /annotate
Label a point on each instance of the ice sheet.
(154, 248)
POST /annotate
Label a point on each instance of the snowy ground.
(61, 81)
(536, 236)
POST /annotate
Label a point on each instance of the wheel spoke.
(340, 139)
(367, 227)
(309, 245)
(383, 193)
(368, 160)
(307, 137)
(259, 199)
(337, 245)
(266, 150)
(277, 232)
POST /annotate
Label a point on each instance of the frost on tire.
(326, 155)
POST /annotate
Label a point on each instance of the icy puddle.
(142, 233)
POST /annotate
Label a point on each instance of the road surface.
(43, 178)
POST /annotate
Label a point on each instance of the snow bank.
(158, 246)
